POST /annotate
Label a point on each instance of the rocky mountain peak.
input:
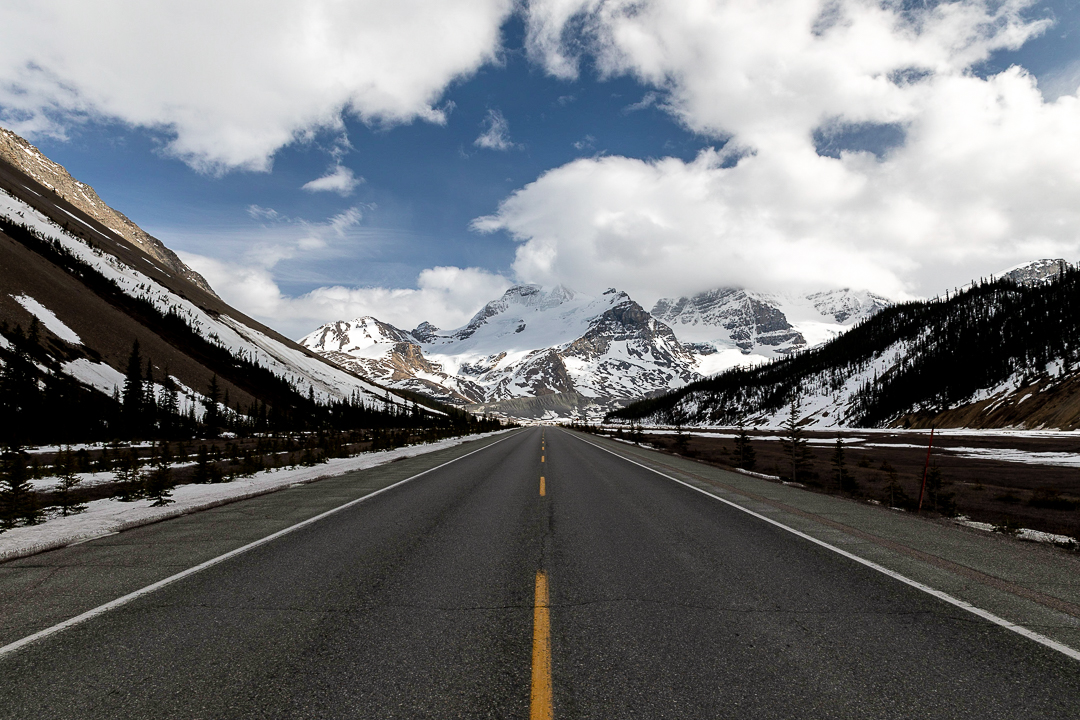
(1037, 271)
(425, 332)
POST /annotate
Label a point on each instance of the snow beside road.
(105, 517)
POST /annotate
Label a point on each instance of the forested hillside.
(999, 353)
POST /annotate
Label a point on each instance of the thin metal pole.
(926, 468)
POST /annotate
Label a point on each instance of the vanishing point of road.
(541, 576)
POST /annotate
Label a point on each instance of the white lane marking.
(985, 615)
(102, 609)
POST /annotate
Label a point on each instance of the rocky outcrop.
(19, 153)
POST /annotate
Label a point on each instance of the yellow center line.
(541, 458)
(541, 486)
(540, 707)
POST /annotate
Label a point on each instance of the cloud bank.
(985, 173)
(445, 296)
(231, 82)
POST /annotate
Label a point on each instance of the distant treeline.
(940, 353)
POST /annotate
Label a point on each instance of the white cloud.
(232, 82)
(986, 176)
(340, 180)
(445, 296)
(496, 134)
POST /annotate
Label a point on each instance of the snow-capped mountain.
(730, 326)
(529, 343)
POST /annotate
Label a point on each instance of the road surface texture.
(541, 576)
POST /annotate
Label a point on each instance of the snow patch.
(48, 319)
(104, 517)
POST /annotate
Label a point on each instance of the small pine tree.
(68, 480)
(212, 418)
(134, 397)
(745, 456)
(203, 472)
(896, 495)
(794, 442)
(678, 419)
(844, 479)
(129, 476)
(940, 501)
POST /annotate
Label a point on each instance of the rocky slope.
(731, 327)
(20, 154)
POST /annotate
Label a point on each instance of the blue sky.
(652, 151)
(423, 183)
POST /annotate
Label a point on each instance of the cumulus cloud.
(445, 296)
(339, 180)
(496, 134)
(983, 172)
(231, 82)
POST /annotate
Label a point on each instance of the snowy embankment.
(106, 517)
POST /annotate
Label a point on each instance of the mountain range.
(548, 353)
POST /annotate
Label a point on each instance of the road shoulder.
(1030, 585)
(39, 591)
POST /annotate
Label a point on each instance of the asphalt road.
(422, 602)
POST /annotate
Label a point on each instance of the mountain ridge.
(531, 342)
(1000, 353)
(31, 162)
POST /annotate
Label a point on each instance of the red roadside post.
(926, 468)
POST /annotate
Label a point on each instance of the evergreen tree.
(159, 480)
(896, 495)
(170, 418)
(205, 472)
(20, 398)
(134, 398)
(212, 418)
(150, 408)
(68, 480)
(745, 456)
(939, 500)
(678, 419)
(844, 479)
(794, 442)
(129, 476)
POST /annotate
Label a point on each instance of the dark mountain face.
(76, 295)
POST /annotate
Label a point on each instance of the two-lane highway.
(540, 577)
